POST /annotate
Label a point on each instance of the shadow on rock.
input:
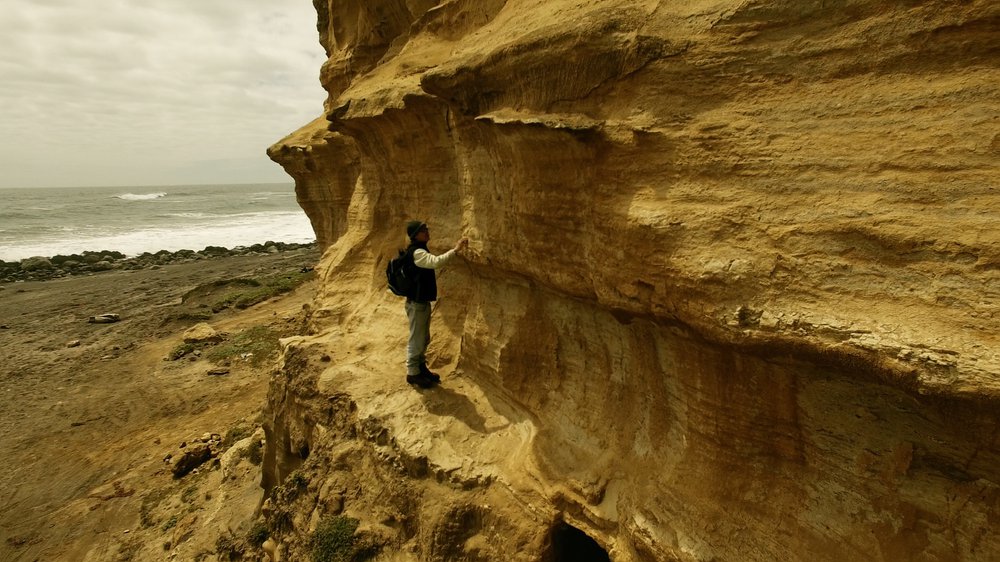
(444, 401)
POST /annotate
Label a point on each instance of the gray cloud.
(122, 92)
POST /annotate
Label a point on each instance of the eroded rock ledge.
(732, 292)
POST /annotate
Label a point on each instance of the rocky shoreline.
(41, 268)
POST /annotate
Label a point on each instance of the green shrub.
(169, 524)
(187, 317)
(254, 452)
(235, 434)
(181, 350)
(212, 286)
(298, 480)
(280, 520)
(257, 534)
(228, 547)
(260, 341)
(335, 541)
(189, 494)
(262, 289)
(291, 487)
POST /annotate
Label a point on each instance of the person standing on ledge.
(418, 302)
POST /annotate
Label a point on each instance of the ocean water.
(50, 221)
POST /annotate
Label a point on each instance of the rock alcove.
(570, 544)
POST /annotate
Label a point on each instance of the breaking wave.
(140, 196)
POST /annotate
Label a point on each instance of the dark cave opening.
(570, 544)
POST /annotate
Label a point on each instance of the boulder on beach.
(60, 259)
(103, 265)
(215, 251)
(35, 263)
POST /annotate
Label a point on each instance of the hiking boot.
(420, 380)
(427, 373)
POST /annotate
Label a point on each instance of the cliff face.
(733, 290)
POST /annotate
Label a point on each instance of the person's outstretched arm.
(427, 260)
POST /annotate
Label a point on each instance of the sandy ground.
(84, 428)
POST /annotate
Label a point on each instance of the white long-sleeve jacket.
(427, 260)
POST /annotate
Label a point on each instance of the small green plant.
(187, 317)
(291, 487)
(298, 480)
(235, 434)
(280, 521)
(169, 524)
(257, 534)
(212, 286)
(254, 452)
(228, 547)
(256, 455)
(335, 541)
(256, 344)
(259, 290)
(181, 350)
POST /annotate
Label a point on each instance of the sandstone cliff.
(732, 292)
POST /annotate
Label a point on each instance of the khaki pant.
(419, 314)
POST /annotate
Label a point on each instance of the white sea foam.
(273, 194)
(189, 215)
(245, 230)
(140, 196)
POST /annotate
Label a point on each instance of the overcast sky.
(130, 92)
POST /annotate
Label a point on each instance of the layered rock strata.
(732, 291)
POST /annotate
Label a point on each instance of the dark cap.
(413, 227)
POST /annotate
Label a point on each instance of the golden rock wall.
(733, 290)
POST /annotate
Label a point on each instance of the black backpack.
(401, 273)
